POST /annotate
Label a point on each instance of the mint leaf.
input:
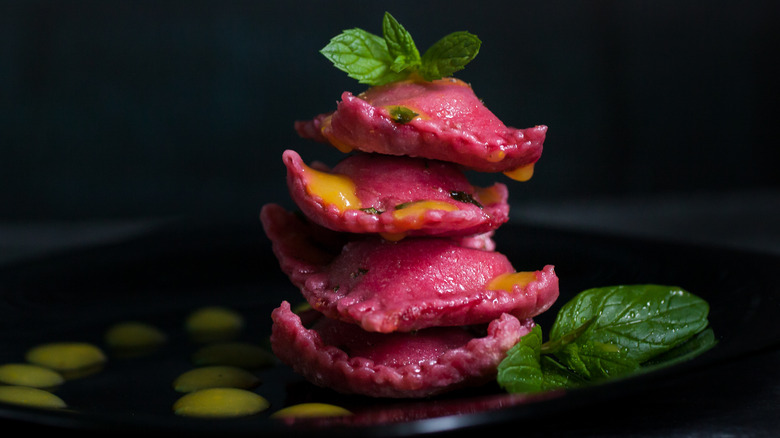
(400, 45)
(597, 361)
(631, 323)
(610, 332)
(376, 60)
(526, 370)
(557, 376)
(689, 349)
(561, 340)
(449, 55)
(363, 56)
(521, 370)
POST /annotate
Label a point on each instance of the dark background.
(156, 108)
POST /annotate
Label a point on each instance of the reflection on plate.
(163, 276)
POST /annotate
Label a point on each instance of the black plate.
(163, 276)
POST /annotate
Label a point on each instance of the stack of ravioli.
(394, 248)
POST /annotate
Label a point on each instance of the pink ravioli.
(442, 120)
(411, 284)
(398, 195)
(343, 357)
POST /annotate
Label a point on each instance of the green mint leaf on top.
(400, 45)
(376, 60)
(449, 55)
(363, 56)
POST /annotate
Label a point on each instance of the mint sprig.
(363, 55)
(400, 45)
(607, 333)
(449, 55)
(527, 369)
(376, 60)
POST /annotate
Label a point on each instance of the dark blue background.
(148, 108)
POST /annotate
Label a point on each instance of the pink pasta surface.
(395, 195)
(347, 359)
(442, 120)
(415, 283)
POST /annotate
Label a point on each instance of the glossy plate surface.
(162, 277)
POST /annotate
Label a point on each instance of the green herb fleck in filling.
(464, 197)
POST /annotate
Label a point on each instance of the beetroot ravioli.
(347, 359)
(443, 120)
(412, 284)
(395, 196)
(394, 248)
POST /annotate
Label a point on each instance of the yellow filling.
(412, 215)
(333, 189)
(393, 237)
(416, 210)
(522, 173)
(496, 156)
(508, 281)
(333, 141)
(488, 195)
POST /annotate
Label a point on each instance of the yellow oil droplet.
(307, 410)
(31, 397)
(238, 354)
(24, 374)
(213, 323)
(215, 377)
(522, 173)
(132, 338)
(509, 280)
(71, 359)
(333, 189)
(220, 402)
